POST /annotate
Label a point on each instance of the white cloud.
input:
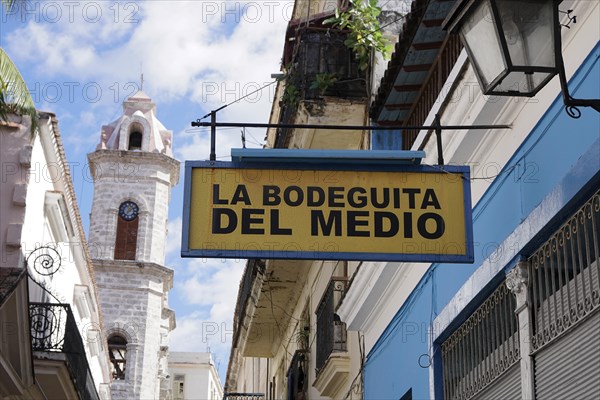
(197, 54)
(194, 333)
(217, 289)
(184, 49)
(208, 287)
(212, 290)
(180, 45)
(173, 244)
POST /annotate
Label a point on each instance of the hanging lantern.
(511, 43)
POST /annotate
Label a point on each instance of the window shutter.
(126, 240)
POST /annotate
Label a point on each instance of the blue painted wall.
(545, 157)
(386, 140)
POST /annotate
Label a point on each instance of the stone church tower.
(134, 170)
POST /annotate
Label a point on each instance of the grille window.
(564, 284)
(331, 332)
(482, 348)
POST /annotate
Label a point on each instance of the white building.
(522, 320)
(194, 376)
(50, 324)
(134, 170)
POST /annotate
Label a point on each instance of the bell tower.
(133, 171)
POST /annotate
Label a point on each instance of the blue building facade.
(553, 172)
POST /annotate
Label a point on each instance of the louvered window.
(117, 350)
(127, 231)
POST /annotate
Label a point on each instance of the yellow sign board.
(410, 213)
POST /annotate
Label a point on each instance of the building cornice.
(355, 298)
(148, 267)
(53, 147)
(377, 292)
(134, 157)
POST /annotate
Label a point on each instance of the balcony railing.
(322, 51)
(564, 273)
(54, 330)
(297, 376)
(484, 347)
(434, 85)
(319, 54)
(254, 267)
(331, 332)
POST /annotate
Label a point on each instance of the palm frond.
(14, 94)
(8, 4)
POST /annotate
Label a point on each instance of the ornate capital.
(516, 281)
(517, 278)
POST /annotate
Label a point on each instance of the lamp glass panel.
(480, 37)
(528, 27)
(518, 82)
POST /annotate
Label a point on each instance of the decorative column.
(517, 280)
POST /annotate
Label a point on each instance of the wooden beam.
(427, 45)
(390, 123)
(404, 106)
(431, 23)
(407, 88)
(416, 67)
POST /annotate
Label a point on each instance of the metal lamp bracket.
(571, 104)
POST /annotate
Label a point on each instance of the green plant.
(302, 336)
(291, 95)
(14, 94)
(323, 81)
(364, 32)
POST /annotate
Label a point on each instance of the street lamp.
(514, 46)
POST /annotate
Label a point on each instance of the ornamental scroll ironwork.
(484, 347)
(53, 329)
(331, 331)
(45, 260)
(564, 285)
(48, 326)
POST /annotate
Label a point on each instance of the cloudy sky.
(81, 59)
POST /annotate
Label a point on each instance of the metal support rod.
(438, 134)
(345, 127)
(571, 104)
(213, 135)
(213, 124)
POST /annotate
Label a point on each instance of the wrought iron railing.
(434, 85)
(319, 53)
(482, 348)
(297, 376)
(322, 51)
(53, 329)
(254, 267)
(564, 284)
(331, 332)
(45, 260)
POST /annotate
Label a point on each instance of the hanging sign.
(327, 212)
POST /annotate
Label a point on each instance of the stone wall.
(133, 296)
(143, 178)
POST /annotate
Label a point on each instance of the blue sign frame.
(322, 164)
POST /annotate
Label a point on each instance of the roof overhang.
(418, 47)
